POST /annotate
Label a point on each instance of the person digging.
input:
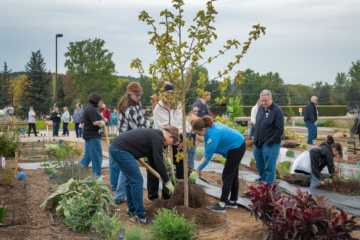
(228, 142)
(136, 144)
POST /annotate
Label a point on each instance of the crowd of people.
(135, 141)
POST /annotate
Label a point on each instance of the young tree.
(5, 97)
(37, 86)
(90, 67)
(176, 57)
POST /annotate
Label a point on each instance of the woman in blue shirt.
(228, 142)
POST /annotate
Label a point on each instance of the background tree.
(325, 94)
(5, 97)
(90, 68)
(178, 57)
(37, 89)
(353, 96)
(340, 87)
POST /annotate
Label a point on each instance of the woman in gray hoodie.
(78, 114)
(31, 121)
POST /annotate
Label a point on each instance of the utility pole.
(56, 83)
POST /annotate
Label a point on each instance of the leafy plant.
(304, 146)
(3, 211)
(9, 143)
(282, 169)
(6, 176)
(252, 160)
(168, 225)
(329, 123)
(298, 217)
(222, 160)
(79, 201)
(290, 154)
(234, 108)
(51, 170)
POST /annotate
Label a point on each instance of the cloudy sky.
(305, 41)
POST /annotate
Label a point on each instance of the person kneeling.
(314, 161)
(135, 144)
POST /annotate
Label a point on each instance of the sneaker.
(217, 208)
(154, 200)
(231, 205)
(129, 214)
(118, 201)
(145, 220)
(257, 179)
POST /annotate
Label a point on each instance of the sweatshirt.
(254, 112)
(220, 139)
(269, 126)
(320, 157)
(310, 113)
(77, 115)
(66, 117)
(144, 142)
(55, 116)
(31, 115)
(162, 117)
(106, 113)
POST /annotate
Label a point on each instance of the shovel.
(150, 169)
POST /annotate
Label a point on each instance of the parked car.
(354, 111)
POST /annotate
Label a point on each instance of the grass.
(40, 125)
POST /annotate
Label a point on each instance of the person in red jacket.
(105, 112)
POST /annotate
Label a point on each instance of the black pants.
(230, 175)
(153, 185)
(33, 126)
(180, 165)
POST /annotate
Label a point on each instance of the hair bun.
(208, 120)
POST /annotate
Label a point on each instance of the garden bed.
(350, 188)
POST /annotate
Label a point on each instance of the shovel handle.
(150, 169)
(106, 136)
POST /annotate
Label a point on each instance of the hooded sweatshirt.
(77, 115)
(66, 117)
(32, 115)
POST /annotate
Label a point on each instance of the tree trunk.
(186, 182)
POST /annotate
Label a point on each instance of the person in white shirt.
(165, 114)
(254, 112)
(31, 121)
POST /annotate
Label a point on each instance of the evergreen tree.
(353, 96)
(325, 94)
(37, 86)
(5, 98)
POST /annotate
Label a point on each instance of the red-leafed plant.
(298, 217)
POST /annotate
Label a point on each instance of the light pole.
(56, 83)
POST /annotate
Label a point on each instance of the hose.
(227, 222)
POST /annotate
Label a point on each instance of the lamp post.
(56, 83)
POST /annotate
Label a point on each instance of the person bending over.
(228, 142)
(135, 144)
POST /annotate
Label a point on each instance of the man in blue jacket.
(267, 137)
(310, 118)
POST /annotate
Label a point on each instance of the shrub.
(329, 123)
(282, 168)
(304, 146)
(168, 225)
(230, 124)
(298, 217)
(6, 176)
(252, 160)
(9, 143)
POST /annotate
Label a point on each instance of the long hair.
(338, 148)
(125, 102)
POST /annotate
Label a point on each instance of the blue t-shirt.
(220, 139)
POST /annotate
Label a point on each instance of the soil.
(249, 145)
(346, 188)
(244, 167)
(35, 222)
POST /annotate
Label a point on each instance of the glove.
(193, 177)
(167, 163)
(170, 186)
(101, 124)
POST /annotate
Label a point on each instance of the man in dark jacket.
(310, 118)
(267, 137)
(56, 118)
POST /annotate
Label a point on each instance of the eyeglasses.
(136, 95)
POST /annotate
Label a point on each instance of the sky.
(306, 40)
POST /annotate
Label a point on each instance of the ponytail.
(338, 148)
(201, 123)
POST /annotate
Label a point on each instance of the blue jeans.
(314, 181)
(133, 180)
(93, 154)
(65, 128)
(312, 131)
(114, 172)
(266, 158)
(191, 156)
(80, 131)
(120, 193)
(77, 129)
(56, 126)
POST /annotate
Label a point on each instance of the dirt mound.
(198, 202)
(290, 145)
(197, 195)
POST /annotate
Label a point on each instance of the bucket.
(345, 156)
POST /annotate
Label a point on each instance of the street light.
(56, 83)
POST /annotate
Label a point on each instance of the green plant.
(282, 169)
(252, 160)
(6, 175)
(290, 154)
(230, 124)
(168, 225)
(79, 201)
(304, 146)
(51, 170)
(3, 211)
(222, 160)
(329, 123)
(9, 143)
